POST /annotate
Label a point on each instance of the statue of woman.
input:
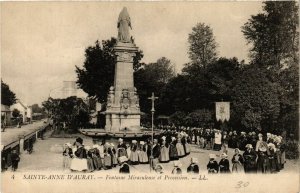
(124, 23)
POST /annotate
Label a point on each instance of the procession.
(252, 153)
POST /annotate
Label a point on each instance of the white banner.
(222, 111)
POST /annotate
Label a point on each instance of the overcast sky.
(41, 42)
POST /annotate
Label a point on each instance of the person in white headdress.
(218, 140)
(79, 162)
(124, 168)
(121, 148)
(193, 167)
(67, 155)
(179, 146)
(237, 162)
(159, 169)
(143, 157)
(173, 149)
(164, 151)
(90, 162)
(224, 164)
(177, 167)
(212, 166)
(107, 156)
(134, 156)
(249, 159)
(114, 155)
(272, 157)
(96, 157)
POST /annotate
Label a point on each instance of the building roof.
(25, 107)
(5, 108)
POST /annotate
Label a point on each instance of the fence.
(24, 143)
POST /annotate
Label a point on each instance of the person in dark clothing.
(177, 169)
(124, 169)
(224, 164)
(193, 167)
(173, 150)
(249, 159)
(3, 160)
(234, 139)
(212, 165)
(15, 158)
(155, 153)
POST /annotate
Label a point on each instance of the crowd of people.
(105, 155)
(262, 153)
(253, 153)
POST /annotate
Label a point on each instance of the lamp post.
(152, 98)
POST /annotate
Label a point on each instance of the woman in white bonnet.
(68, 155)
(143, 158)
(164, 151)
(237, 162)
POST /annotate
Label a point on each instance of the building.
(25, 111)
(5, 115)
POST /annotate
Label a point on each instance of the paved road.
(12, 134)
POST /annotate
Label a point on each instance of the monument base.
(123, 122)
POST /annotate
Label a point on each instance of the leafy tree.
(199, 118)
(97, 74)
(274, 34)
(178, 118)
(289, 100)
(73, 111)
(7, 96)
(36, 109)
(15, 113)
(189, 92)
(255, 99)
(202, 49)
(152, 77)
(175, 96)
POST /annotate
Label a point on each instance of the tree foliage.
(16, 113)
(255, 99)
(152, 77)
(8, 97)
(202, 48)
(73, 111)
(274, 34)
(97, 73)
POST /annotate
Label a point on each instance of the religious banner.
(222, 111)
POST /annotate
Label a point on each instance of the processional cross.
(152, 98)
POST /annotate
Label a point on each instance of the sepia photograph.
(141, 96)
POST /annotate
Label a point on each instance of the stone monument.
(123, 110)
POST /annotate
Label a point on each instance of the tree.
(202, 49)
(255, 99)
(15, 113)
(97, 74)
(189, 92)
(200, 118)
(274, 34)
(7, 96)
(73, 111)
(178, 118)
(36, 109)
(152, 77)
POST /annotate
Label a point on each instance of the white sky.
(41, 42)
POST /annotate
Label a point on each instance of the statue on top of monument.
(124, 23)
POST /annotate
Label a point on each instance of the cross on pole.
(152, 98)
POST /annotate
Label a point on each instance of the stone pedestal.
(123, 111)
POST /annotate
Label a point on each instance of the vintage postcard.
(126, 97)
